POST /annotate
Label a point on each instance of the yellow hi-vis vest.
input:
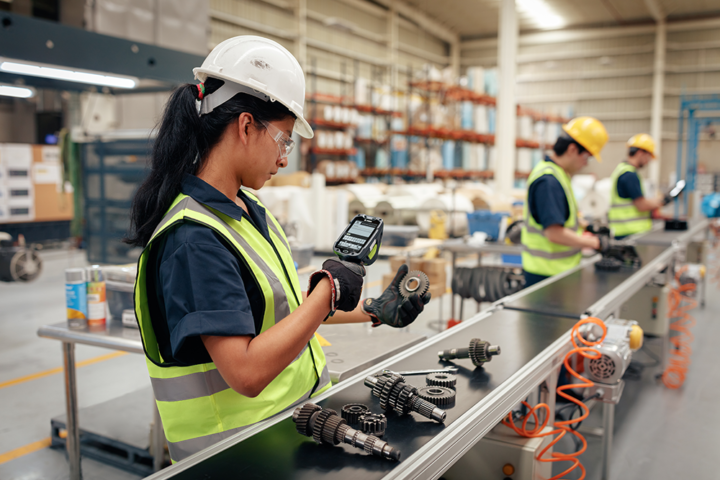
(541, 256)
(623, 217)
(196, 405)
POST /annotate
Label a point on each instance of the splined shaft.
(326, 426)
(479, 352)
(395, 394)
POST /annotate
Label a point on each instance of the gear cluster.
(396, 395)
(326, 426)
(479, 351)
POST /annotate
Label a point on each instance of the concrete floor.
(659, 434)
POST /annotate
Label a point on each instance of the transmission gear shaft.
(326, 426)
(479, 352)
(395, 394)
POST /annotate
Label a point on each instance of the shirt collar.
(548, 159)
(211, 197)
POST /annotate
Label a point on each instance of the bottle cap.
(74, 274)
(95, 274)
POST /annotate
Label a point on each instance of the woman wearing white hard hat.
(228, 339)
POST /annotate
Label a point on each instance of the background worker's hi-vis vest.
(541, 256)
(623, 217)
(196, 405)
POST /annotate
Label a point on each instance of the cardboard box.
(51, 204)
(396, 262)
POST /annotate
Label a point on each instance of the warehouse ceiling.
(479, 18)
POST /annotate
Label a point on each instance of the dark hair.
(633, 150)
(183, 142)
(562, 144)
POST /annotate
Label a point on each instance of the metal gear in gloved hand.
(392, 308)
(414, 283)
(437, 395)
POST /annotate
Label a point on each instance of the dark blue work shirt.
(628, 186)
(547, 201)
(200, 287)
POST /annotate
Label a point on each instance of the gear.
(608, 264)
(478, 351)
(415, 282)
(438, 379)
(319, 426)
(302, 415)
(437, 395)
(403, 404)
(373, 424)
(353, 411)
(390, 382)
(332, 425)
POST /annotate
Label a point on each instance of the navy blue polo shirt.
(197, 286)
(547, 201)
(628, 186)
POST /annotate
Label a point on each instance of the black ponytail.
(183, 142)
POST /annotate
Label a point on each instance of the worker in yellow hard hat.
(630, 209)
(552, 236)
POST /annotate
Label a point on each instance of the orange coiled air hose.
(680, 303)
(563, 427)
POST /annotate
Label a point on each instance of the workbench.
(533, 329)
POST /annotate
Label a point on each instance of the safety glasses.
(285, 143)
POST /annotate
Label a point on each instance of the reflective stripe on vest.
(196, 405)
(541, 256)
(623, 217)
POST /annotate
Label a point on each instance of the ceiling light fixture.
(15, 91)
(540, 13)
(58, 73)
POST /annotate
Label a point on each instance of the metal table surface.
(572, 295)
(530, 346)
(660, 236)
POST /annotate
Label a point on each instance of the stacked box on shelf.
(113, 172)
(16, 184)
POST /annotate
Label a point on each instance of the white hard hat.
(259, 67)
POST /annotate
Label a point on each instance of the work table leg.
(72, 442)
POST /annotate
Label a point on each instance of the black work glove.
(667, 199)
(604, 243)
(391, 308)
(346, 280)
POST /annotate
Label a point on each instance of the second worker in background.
(552, 236)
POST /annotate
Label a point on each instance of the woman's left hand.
(391, 308)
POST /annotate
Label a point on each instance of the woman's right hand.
(346, 280)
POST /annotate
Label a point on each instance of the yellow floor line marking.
(24, 450)
(323, 341)
(53, 371)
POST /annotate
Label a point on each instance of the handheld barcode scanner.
(360, 242)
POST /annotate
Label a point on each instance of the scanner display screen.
(357, 236)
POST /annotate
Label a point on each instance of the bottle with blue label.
(76, 297)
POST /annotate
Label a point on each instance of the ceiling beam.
(421, 19)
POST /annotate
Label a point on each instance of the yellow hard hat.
(642, 141)
(588, 132)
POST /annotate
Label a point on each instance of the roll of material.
(456, 222)
(594, 206)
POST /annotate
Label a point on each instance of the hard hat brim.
(596, 156)
(302, 127)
